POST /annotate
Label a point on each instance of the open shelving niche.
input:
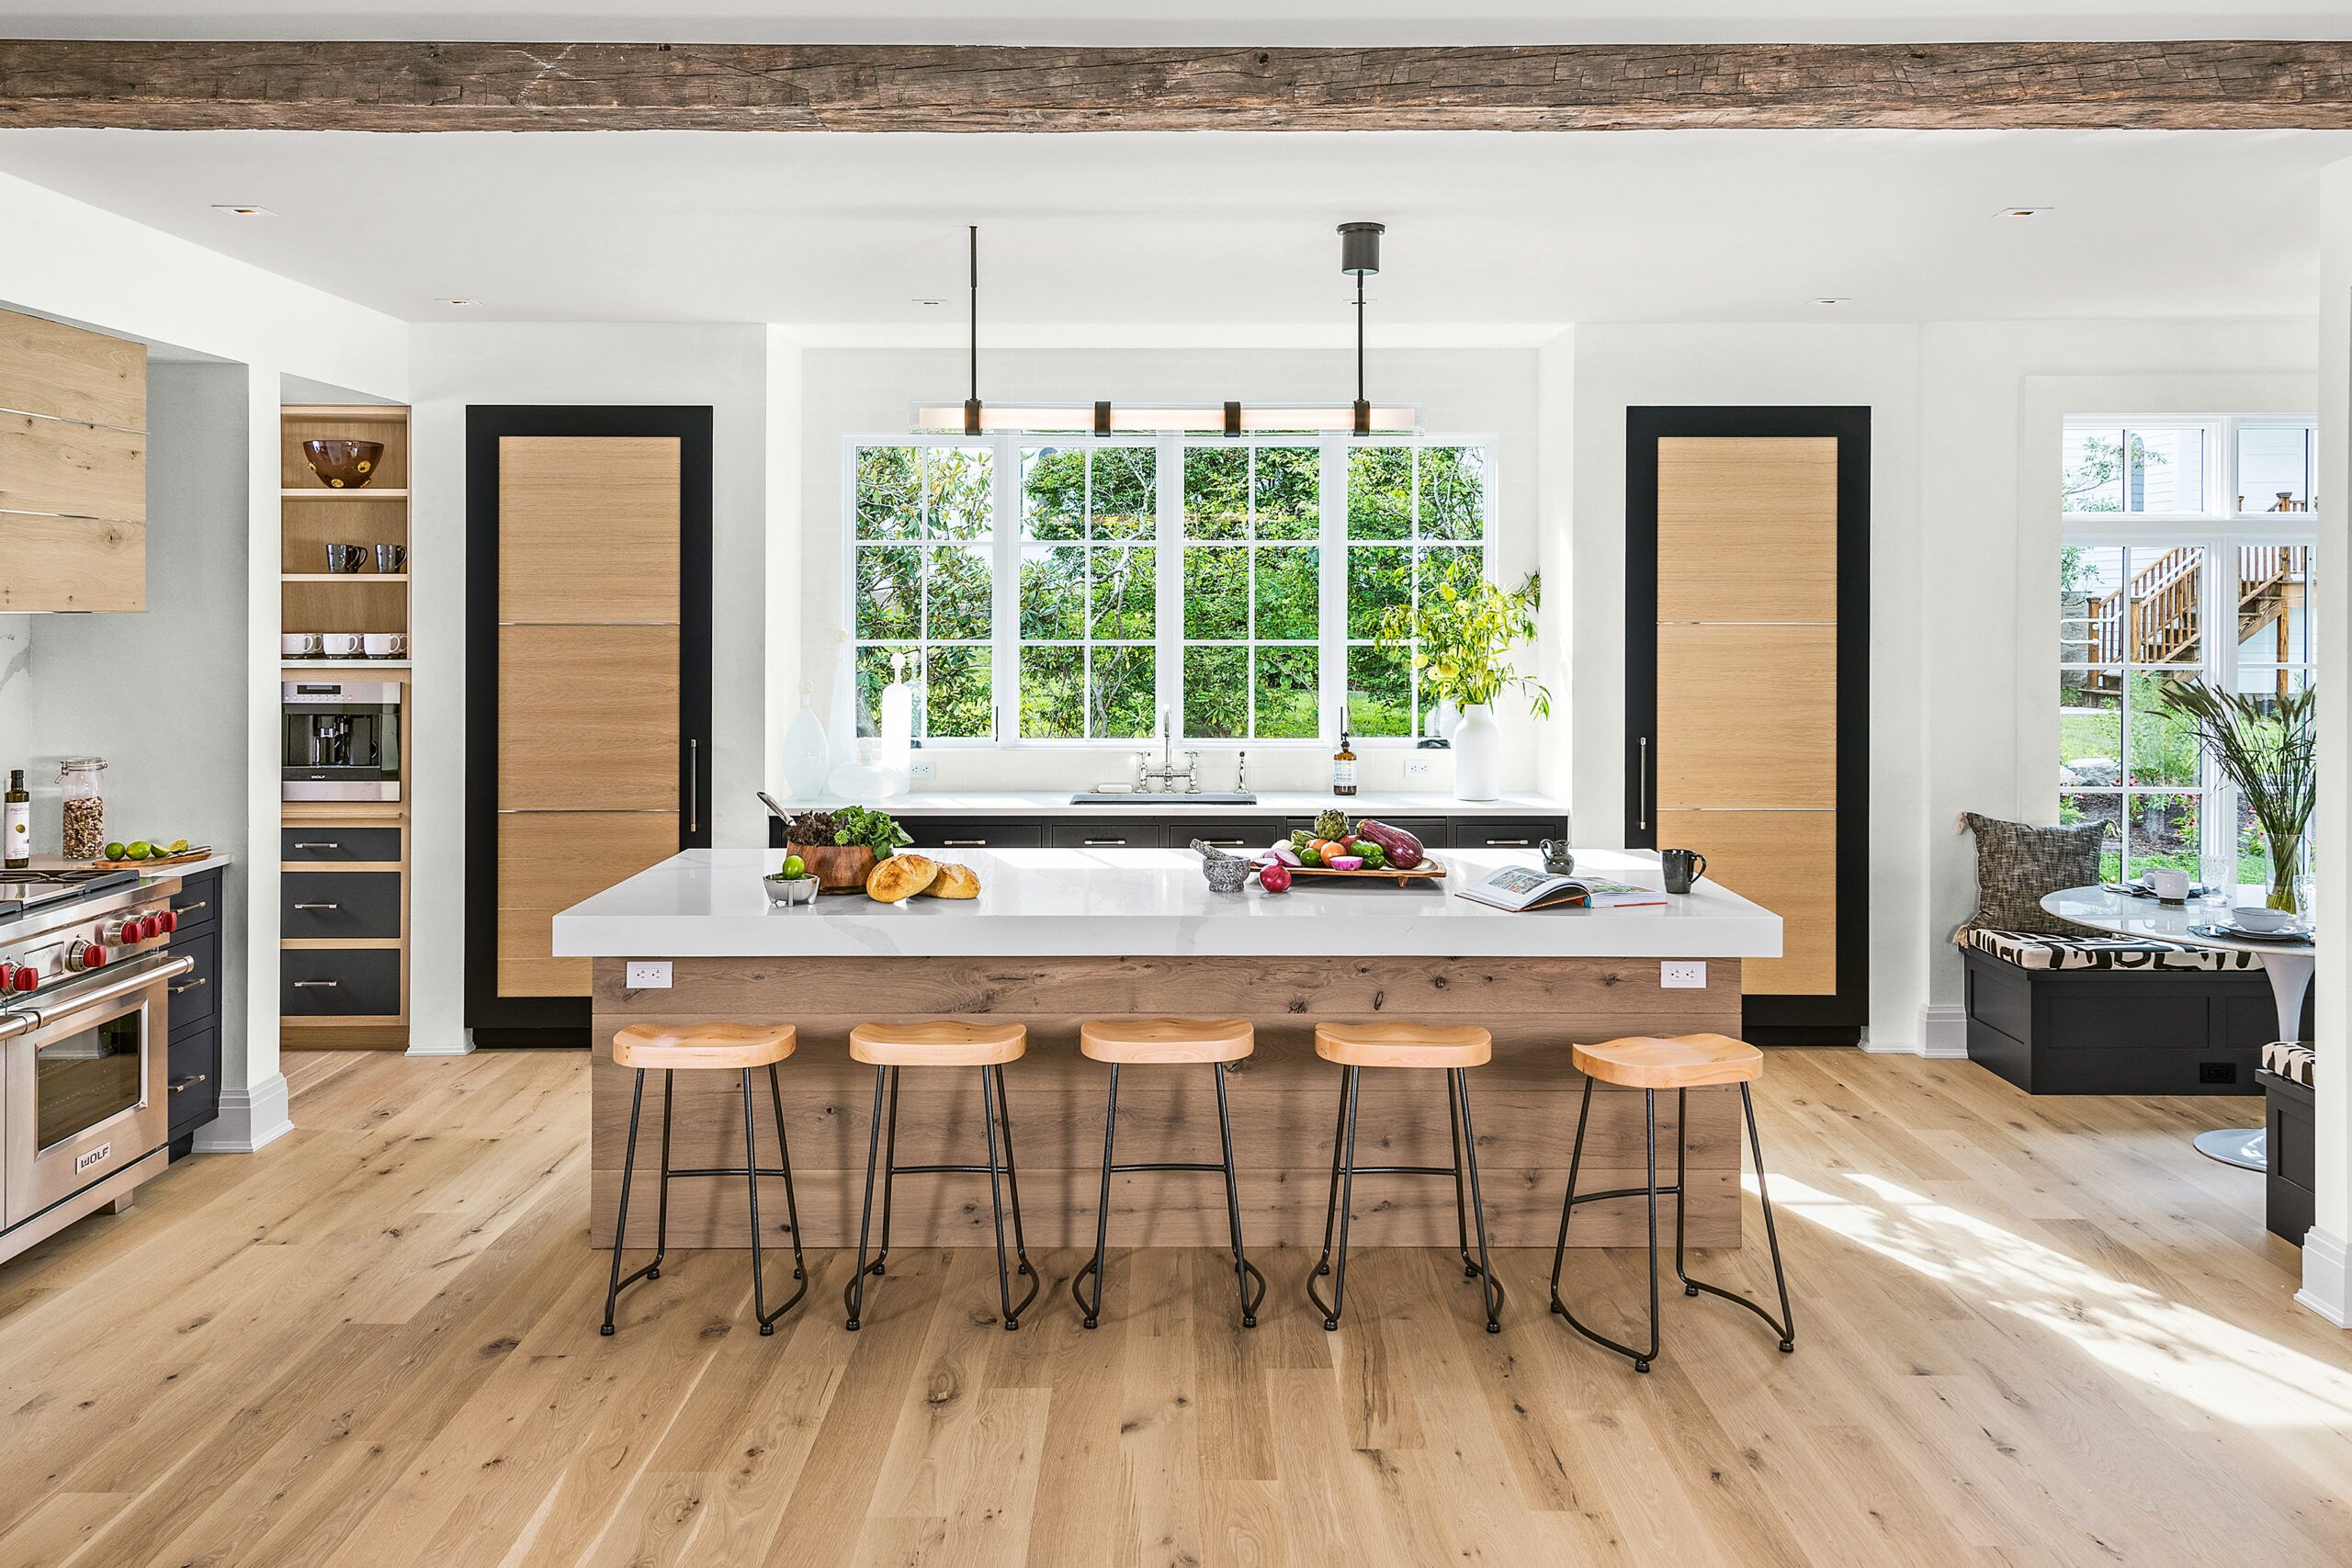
(314, 515)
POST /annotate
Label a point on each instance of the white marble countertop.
(1271, 803)
(1071, 903)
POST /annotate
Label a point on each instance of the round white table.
(2289, 968)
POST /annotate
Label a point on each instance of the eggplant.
(1403, 849)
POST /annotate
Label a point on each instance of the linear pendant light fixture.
(1359, 256)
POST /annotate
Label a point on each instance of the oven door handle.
(169, 969)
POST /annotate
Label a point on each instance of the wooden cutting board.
(199, 852)
(1429, 869)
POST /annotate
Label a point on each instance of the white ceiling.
(1488, 229)
(1292, 22)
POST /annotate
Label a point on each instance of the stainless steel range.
(84, 967)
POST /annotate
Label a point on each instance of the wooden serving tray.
(200, 851)
(1428, 870)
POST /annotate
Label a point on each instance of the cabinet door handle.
(1103, 843)
(694, 786)
(178, 990)
(188, 1082)
(200, 905)
(1506, 843)
(318, 905)
(1642, 789)
(963, 844)
(1217, 843)
(299, 845)
(314, 985)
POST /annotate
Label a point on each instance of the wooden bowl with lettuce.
(839, 847)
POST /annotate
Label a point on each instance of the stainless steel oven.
(87, 1091)
(341, 741)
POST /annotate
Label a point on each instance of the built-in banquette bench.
(2286, 1079)
(2094, 1014)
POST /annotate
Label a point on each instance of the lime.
(795, 868)
(115, 850)
(179, 847)
(139, 849)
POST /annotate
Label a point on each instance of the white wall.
(725, 367)
(1465, 391)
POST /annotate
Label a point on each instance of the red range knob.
(84, 956)
(150, 928)
(24, 979)
(167, 921)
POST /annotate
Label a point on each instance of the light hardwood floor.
(2029, 1332)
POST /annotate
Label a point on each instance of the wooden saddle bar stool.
(1681, 1063)
(1452, 1049)
(715, 1046)
(940, 1043)
(1217, 1043)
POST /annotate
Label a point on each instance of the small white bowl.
(791, 890)
(2255, 918)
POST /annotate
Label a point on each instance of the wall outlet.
(1686, 976)
(652, 975)
(1420, 767)
(919, 766)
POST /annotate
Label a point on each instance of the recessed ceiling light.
(2025, 213)
(1829, 300)
(458, 302)
(235, 211)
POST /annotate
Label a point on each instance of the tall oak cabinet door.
(589, 650)
(1747, 688)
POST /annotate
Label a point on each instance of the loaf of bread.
(954, 881)
(900, 877)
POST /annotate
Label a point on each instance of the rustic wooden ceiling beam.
(391, 86)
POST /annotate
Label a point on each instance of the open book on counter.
(1521, 888)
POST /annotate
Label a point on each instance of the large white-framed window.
(1052, 590)
(2187, 554)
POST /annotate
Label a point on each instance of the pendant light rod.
(1359, 255)
(972, 403)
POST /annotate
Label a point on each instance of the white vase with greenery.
(2267, 746)
(1462, 634)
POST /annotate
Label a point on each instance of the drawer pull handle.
(314, 985)
(1224, 844)
(188, 1082)
(963, 844)
(1506, 843)
(1103, 843)
(182, 990)
(200, 904)
(318, 905)
(324, 846)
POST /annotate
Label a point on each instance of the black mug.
(1683, 867)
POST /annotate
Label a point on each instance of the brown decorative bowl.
(344, 465)
(838, 868)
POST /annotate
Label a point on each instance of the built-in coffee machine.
(342, 740)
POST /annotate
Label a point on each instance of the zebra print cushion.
(2018, 864)
(2032, 950)
(2290, 1061)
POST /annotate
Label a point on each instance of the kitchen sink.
(1167, 798)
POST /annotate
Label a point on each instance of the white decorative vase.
(1478, 754)
(807, 754)
(1442, 719)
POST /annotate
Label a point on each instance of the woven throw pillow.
(2017, 864)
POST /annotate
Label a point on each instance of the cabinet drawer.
(339, 983)
(1430, 830)
(1228, 834)
(945, 835)
(195, 996)
(326, 846)
(198, 903)
(194, 1058)
(1141, 833)
(339, 904)
(1503, 832)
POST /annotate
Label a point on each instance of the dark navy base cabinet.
(2290, 1187)
(1137, 828)
(195, 1016)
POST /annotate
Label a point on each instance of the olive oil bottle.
(17, 823)
(1343, 766)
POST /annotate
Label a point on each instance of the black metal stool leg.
(1786, 1325)
(620, 1222)
(1092, 1310)
(996, 1203)
(1640, 1358)
(854, 1293)
(661, 1210)
(1347, 1201)
(1568, 1203)
(1490, 1290)
(1454, 1090)
(889, 1173)
(1243, 1269)
(1013, 1180)
(1331, 1200)
(791, 1199)
(1649, 1145)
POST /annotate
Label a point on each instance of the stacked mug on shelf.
(344, 645)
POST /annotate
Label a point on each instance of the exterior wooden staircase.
(2154, 618)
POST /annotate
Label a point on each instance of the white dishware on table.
(2261, 919)
(2170, 884)
(2286, 957)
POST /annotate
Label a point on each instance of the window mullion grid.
(1168, 577)
(1331, 582)
(1004, 595)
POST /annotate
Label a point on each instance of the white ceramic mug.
(385, 645)
(341, 645)
(2169, 884)
(298, 645)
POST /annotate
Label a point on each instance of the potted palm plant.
(2265, 746)
(1461, 633)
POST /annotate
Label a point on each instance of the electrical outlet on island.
(649, 974)
(1685, 975)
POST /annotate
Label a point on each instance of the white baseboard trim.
(1943, 1031)
(2327, 1277)
(463, 1045)
(249, 1119)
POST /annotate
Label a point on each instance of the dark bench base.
(2287, 1187)
(2120, 1030)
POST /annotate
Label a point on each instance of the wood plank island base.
(1060, 936)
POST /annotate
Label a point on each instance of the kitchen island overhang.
(1057, 936)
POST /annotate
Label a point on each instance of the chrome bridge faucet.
(1162, 779)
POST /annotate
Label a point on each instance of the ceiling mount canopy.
(1360, 258)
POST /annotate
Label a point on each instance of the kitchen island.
(1060, 935)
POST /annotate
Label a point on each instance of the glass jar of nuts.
(85, 807)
